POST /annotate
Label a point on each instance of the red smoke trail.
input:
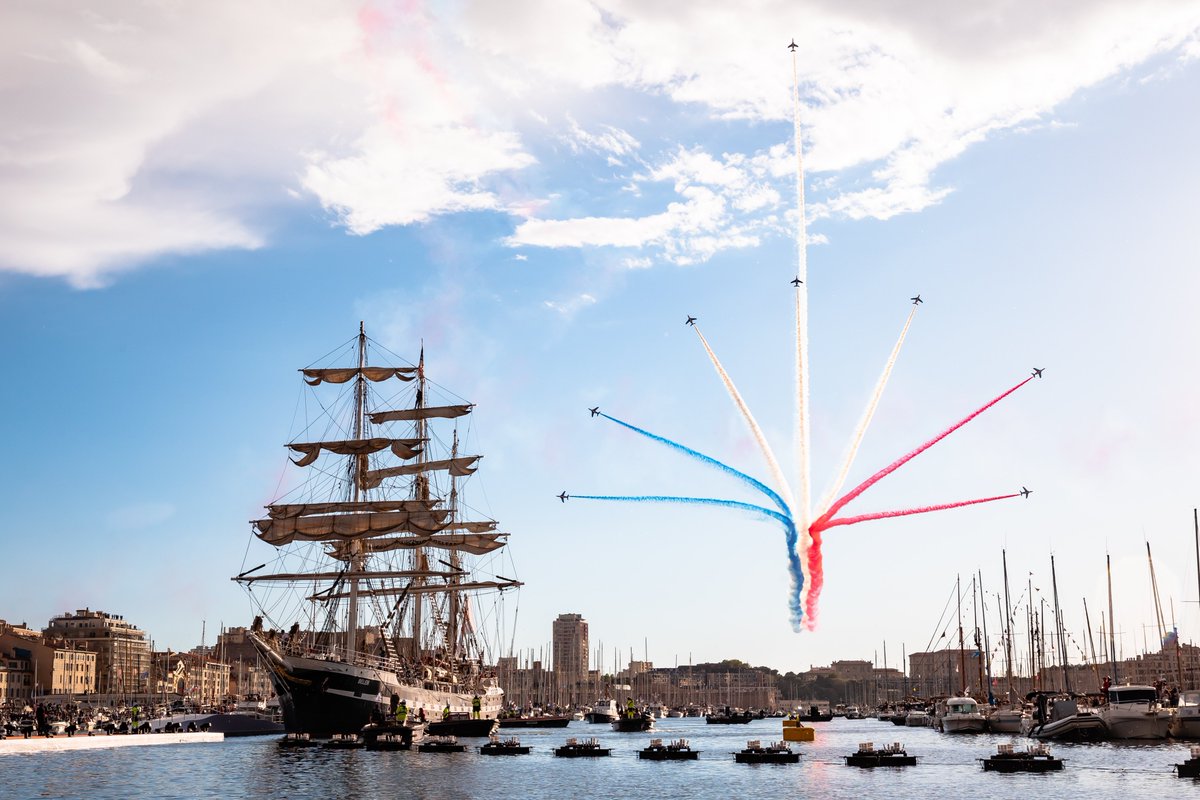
(821, 521)
(815, 576)
(904, 512)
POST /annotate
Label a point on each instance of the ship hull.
(322, 697)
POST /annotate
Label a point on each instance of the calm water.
(258, 768)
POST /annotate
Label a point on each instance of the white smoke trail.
(865, 422)
(784, 488)
(801, 512)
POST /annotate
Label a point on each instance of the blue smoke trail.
(789, 529)
(712, 462)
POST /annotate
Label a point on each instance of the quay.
(64, 744)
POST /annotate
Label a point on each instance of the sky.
(197, 201)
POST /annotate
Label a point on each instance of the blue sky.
(193, 212)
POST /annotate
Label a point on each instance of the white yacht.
(604, 710)
(1186, 722)
(917, 718)
(1007, 720)
(1133, 712)
(962, 715)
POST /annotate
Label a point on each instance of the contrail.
(795, 565)
(895, 465)
(772, 463)
(712, 462)
(867, 416)
(803, 509)
(833, 523)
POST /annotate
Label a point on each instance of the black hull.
(767, 758)
(635, 725)
(599, 719)
(652, 754)
(535, 722)
(1189, 768)
(504, 750)
(735, 719)
(466, 728)
(1022, 764)
(582, 752)
(881, 761)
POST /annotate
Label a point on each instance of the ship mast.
(420, 490)
(358, 465)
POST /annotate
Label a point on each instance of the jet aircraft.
(793, 45)
(1037, 373)
(690, 321)
(916, 300)
(796, 281)
(595, 411)
(1026, 492)
(564, 497)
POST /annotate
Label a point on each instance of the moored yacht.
(1059, 716)
(1186, 722)
(1133, 712)
(604, 710)
(962, 715)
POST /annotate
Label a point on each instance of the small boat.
(1034, 759)
(1007, 720)
(893, 755)
(853, 712)
(635, 724)
(775, 753)
(504, 747)
(962, 715)
(603, 711)
(815, 714)
(544, 721)
(1186, 722)
(297, 740)
(345, 741)
(1134, 712)
(1191, 767)
(462, 726)
(917, 718)
(729, 716)
(588, 748)
(677, 750)
(1059, 716)
(441, 744)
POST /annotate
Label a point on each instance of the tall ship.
(382, 579)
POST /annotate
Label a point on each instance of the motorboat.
(1007, 720)
(1134, 712)
(1186, 722)
(962, 715)
(1059, 716)
(605, 710)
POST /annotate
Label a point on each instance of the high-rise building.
(571, 657)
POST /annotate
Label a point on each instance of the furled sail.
(331, 528)
(465, 586)
(314, 377)
(477, 544)
(402, 448)
(287, 510)
(459, 467)
(425, 412)
(337, 576)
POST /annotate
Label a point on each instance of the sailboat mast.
(452, 622)
(1008, 652)
(987, 649)
(358, 467)
(1112, 621)
(962, 660)
(1060, 629)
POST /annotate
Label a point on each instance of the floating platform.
(466, 728)
(793, 731)
(1035, 759)
(345, 741)
(298, 740)
(588, 748)
(507, 747)
(894, 755)
(1191, 767)
(775, 753)
(535, 722)
(441, 744)
(677, 750)
(66, 744)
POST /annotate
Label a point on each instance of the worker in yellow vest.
(476, 706)
(402, 712)
(446, 712)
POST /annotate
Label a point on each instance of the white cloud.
(571, 306)
(147, 129)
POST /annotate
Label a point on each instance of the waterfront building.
(122, 651)
(60, 668)
(570, 659)
(16, 679)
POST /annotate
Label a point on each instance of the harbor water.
(257, 767)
